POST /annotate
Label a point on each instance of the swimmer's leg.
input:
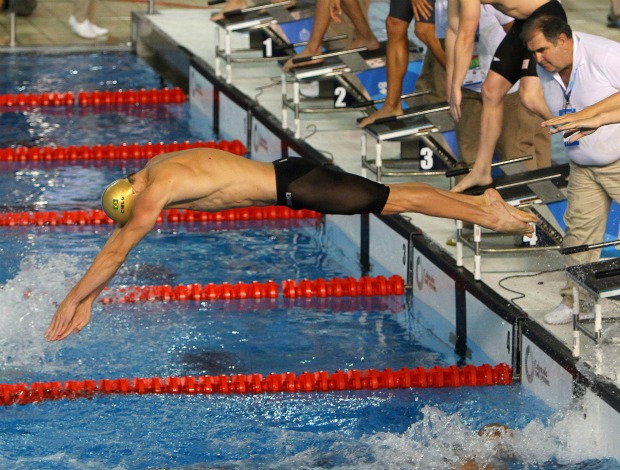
(488, 210)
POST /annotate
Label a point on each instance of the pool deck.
(188, 23)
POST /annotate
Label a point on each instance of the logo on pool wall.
(534, 369)
(422, 277)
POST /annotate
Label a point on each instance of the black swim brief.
(301, 184)
(512, 60)
(403, 10)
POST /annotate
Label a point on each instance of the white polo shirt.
(595, 76)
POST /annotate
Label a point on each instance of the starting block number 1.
(268, 47)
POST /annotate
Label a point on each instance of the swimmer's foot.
(371, 44)
(384, 112)
(289, 64)
(506, 218)
(229, 6)
(473, 178)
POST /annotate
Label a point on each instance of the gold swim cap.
(117, 200)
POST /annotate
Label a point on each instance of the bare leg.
(397, 58)
(363, 35)
(315, 43)
(494, 89)
(426, 32)
(488, 210)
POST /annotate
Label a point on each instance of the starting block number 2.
(341, 97)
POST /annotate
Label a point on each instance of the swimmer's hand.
(69, 318)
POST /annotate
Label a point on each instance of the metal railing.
(12, 15)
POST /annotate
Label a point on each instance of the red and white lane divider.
(95, 98)
(174, 216)
(336, 287)
(123, 151)
(321, 381)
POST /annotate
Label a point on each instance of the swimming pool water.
(62, 126)
(416, 428)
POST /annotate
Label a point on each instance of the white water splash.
(27, 304)
(443, 441)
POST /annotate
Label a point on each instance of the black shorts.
(512, 59)
(403, 10)
(301, 184)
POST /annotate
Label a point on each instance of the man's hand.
(574, 125)
(68, 319)
(421, 9)
(455, 103)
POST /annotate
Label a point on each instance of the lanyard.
(569, 90)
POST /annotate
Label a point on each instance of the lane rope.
(335, 287)
(172, 216)
(321, 381)
(124, 151)
(94, 98)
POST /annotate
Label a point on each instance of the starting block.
(421, 132)
(601, 279)
(347, 80)
(529, 190)
(264, 24)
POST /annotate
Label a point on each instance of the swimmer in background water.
(213, 180)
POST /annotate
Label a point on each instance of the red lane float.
(321, 381)
(173, 216)
(111, 152)
(95, 98)
(336, 287)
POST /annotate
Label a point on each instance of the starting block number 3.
(427, 159)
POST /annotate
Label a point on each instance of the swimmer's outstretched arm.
(488, 210)
(74, 311)
(588, 120)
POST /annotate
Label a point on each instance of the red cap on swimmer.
(117, 200)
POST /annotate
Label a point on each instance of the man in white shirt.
(577, 70)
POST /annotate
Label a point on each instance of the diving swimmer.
(205, 179)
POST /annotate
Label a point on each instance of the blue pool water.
(417, 428)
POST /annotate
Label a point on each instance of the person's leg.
(586, 220)
(229, 6)
(494, 89)
(425, 32)
(523, 134)
(92, 10)
(488, 210)
(613, 18)
(315, 43)
(468, 127)
(363, 35)
(397, 59)
(80, 10)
